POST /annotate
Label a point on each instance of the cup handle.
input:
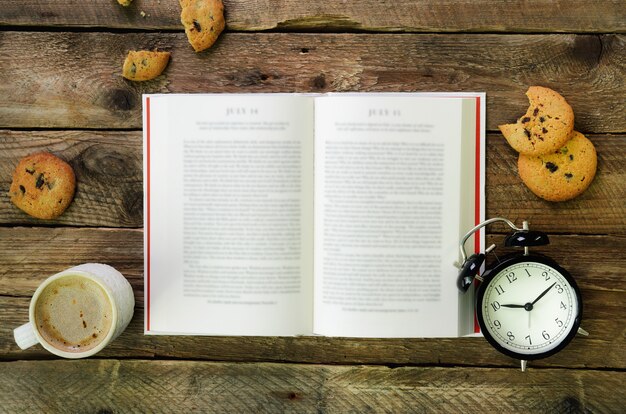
(25, 336)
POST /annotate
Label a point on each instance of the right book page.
(398, 181)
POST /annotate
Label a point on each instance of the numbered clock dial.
(529, 307)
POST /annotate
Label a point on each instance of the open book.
(300, 214)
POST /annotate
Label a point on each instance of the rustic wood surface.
(580, 16)
(31, 253)
(74, 81)
(61, 91)
(139, 386)
(108, 165)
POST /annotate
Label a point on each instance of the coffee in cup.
(77, 312)
(73, 314)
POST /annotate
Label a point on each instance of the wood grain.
(31, 254)
(151, 386)
(599, 210)
(61, 91)
(108, 165)
(604, 349)
(369, 15)
(108, 168)
(75, 82)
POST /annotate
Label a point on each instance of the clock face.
(529, 308)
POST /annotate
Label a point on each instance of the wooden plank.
(75, 82)
(600, 209)
(604, 349)
(110, 191)
(29, 255)
(108, 168)
(149, 386)
(400, 16)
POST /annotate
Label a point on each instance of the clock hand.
(543, 294)
(529, 306)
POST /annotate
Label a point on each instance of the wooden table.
(61, 91)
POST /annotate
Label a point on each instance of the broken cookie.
(144, 65)
(203, 21)
(545, 127)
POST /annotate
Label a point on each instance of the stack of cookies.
(555, 162)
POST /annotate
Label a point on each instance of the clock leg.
(524, 363)
(582, 332)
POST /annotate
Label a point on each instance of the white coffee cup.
(117, 290)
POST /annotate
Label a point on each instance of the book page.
(228, 214)
(387, 221)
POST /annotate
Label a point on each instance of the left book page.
(228, 214)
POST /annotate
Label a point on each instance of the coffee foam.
(73, 314)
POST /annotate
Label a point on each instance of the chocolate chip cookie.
(545, 127)
(43, 185)
(563, 174)
(143, 65)
(203, 21)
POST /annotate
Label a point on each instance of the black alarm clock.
(528, 307)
